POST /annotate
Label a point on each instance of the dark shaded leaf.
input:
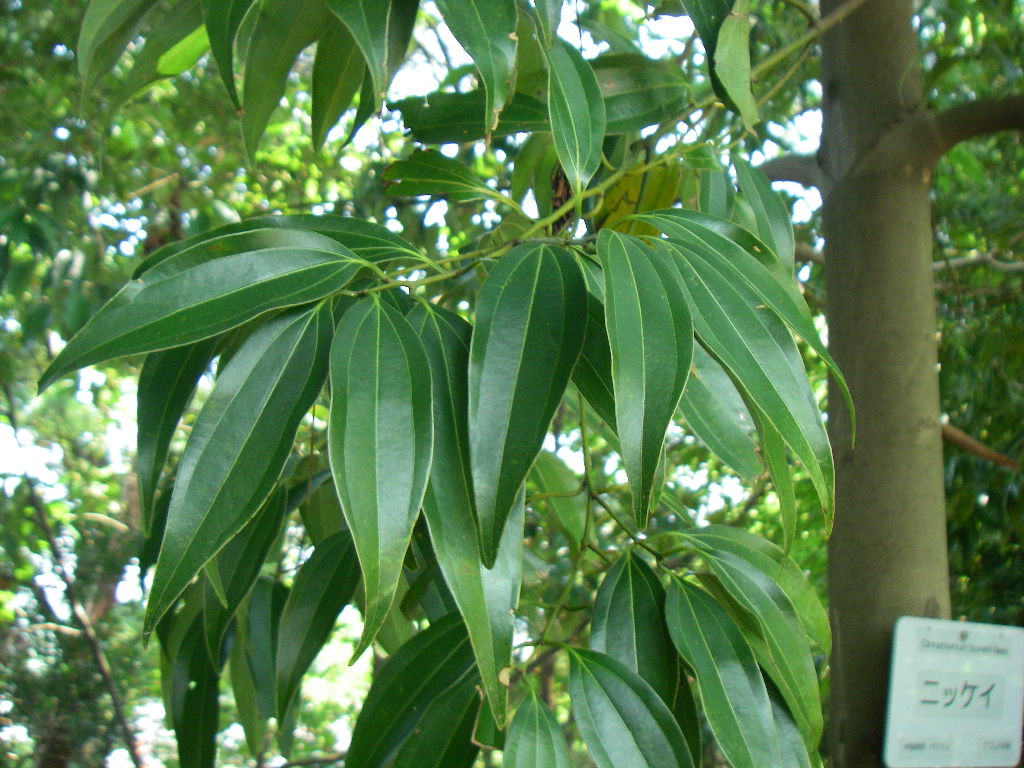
(440, 118)
(535, 738)
(223, 19)
(428, 172)
(638, 91)
(593, 372)
(444, 735)
(337, 77)
(176, 41)
(107, 29)
(560, 492)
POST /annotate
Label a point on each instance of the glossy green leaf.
(774, 225)
(382, 31)
(432, 662)
(577, 111)
(773, 448)
(629, 624)
(713, 408)
(380, 441)
(486, 597)
(732, 65)
(560, 493)
(530, 317)
(107, 28)
(243, 687)
(239, 444)
(650, 334)
(707, 17)
(282, 29)
(428, 172)
(166, 384)
(236, 568)
(444, 735)
(638, 91)
(732, 690)
(486, 29)
(794, 751)
(752, 343)
(786, 655)
(261, 615)
(535, 738)
(209, 288)
(337, 77)
(442, 117)
(593, 372)
(223, 19)
(549, 14)
(624, 723)
(323, 586)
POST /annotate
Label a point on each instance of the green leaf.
(535, 738)
(444, 735)
(707, 17)
(650, 334)
(282, 29)
(794, 751)
(337, 77)
(732, 65)
(166, 384)
(639, 91)
(239, 444)
(751, 342)
(223, 19)
(629, 624)
(774, 452)
(207, 289)
(261, 616)
(440, 118)
(530, 317)
(382, 32)
(715, 411)
(486, 597)
(428, 172)
(624, 723)
(731, 688)
(243, 686)
(773, 222)
(323, 586)
(486, 29)
(549, 14)
(567, 502)
(593, 372)
(404, 688)
(380, 441)
(786, 655)
(577, 112)
(107, 28)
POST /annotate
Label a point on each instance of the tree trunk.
(887, 555)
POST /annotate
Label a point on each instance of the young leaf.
(577, 112)
(404, 688)
(201, 292)
(528, 334)
(283, 28)
(428, 172)
(486, 597)
(622, 720)
(444, 735)
(380, 440)
(535, 738)
(651, 338)
(731, 688)
(239, 444)
(323, 586)
(107, 29)
(166, 384)
(223, 19)
(629, 624)
(732, 65)
(337, 76)
(486, 29)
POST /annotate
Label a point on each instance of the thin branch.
(802, 169)
(976, 118)
(961, 439)
(337, 757)
(987, 259)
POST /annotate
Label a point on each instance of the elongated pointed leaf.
(243, 687)
(593, 372)
(444, 735)
(208, 289)
(166, 384)
(756, 348)
(530, 319)
(638, 91)
(578, 120)
(629, 624)
(223, 19)
(239, 444)
(428, 172)
(535, 737)
(432, 662)
(107, 29)
(794, 751)
(323, 586)
(191, 681)
(380, 441)
(624, 723)
(774, 452)
(261, 615)
(561, 494)
(773, 222)
(337, 77)
(486, 597)
(715, 411)
(486, 29)
(707, 17)
(650, 334)
(731, 688)
(444, 117)
(732, 65)
(283, 28)
(382, 31)
(788, 655)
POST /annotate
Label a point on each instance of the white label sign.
(956, 695)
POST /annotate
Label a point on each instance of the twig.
(961, 439)
(337, 757)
